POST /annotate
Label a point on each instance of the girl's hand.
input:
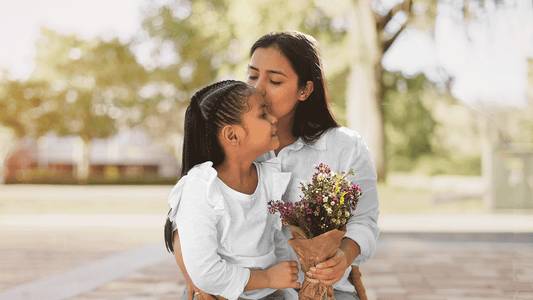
(331, 270)
(283, 275)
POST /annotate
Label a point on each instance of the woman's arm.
(359, 243)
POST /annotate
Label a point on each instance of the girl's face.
(271, 73)
(259, 126)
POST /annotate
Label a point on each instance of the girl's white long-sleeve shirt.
(342, 149)
(224, 233)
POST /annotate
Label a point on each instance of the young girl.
(231, 245)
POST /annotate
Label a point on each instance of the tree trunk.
(363, 99)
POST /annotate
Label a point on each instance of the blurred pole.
(80, 155)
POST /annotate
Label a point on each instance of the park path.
(122, 256)
(436, 263)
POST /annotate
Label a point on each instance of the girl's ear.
(228, 135)
(305, 92)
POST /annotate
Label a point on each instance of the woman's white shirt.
(224, 233)
(343, 150)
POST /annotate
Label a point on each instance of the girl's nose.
(273, 120)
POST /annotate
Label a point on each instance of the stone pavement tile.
(402, 269)
(158, 282)
(421, 269)
(24, 266)
(30, 254)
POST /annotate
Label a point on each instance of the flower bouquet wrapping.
(318, 223)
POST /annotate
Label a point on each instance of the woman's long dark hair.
(313, 116)
(210, 108)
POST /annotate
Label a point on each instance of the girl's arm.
(275, 277)
(191, 288)
(280, 276)
(196, 219)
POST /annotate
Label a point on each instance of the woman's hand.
(283, 275)
(192, 290)
(332, 270)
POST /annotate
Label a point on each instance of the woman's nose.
(259, 86)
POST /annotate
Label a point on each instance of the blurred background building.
(127, 157)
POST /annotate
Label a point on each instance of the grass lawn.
(56, 199)
(398, 200)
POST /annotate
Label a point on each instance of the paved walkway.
(110, 257)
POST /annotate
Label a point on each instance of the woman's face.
(271, 73)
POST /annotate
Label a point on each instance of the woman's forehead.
(269, 59)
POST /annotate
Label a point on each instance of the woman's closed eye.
(275, 82)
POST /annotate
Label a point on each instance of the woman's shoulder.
(273, 177)
(341, 137)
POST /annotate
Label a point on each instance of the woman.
(286, 68)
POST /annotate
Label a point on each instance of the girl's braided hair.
(210, 109)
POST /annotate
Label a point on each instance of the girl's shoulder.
(199, 183)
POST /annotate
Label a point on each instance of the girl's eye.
(264, 115)
(275, 82)
(250, 77)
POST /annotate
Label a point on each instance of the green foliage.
(408, 123)
(94, 84)
(28, 108)
(211, 40)
(426, 131)
(437, 164)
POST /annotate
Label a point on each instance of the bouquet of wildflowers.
(328, 202)
(318, 223)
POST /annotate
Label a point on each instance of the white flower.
(332, 202)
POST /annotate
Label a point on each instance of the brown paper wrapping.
(311, 252)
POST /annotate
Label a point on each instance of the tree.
(354, 35)
(79, 87)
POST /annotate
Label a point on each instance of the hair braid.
(210, 108)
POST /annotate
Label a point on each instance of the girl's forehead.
(256, 100)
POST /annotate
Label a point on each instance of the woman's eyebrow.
(268, 71)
